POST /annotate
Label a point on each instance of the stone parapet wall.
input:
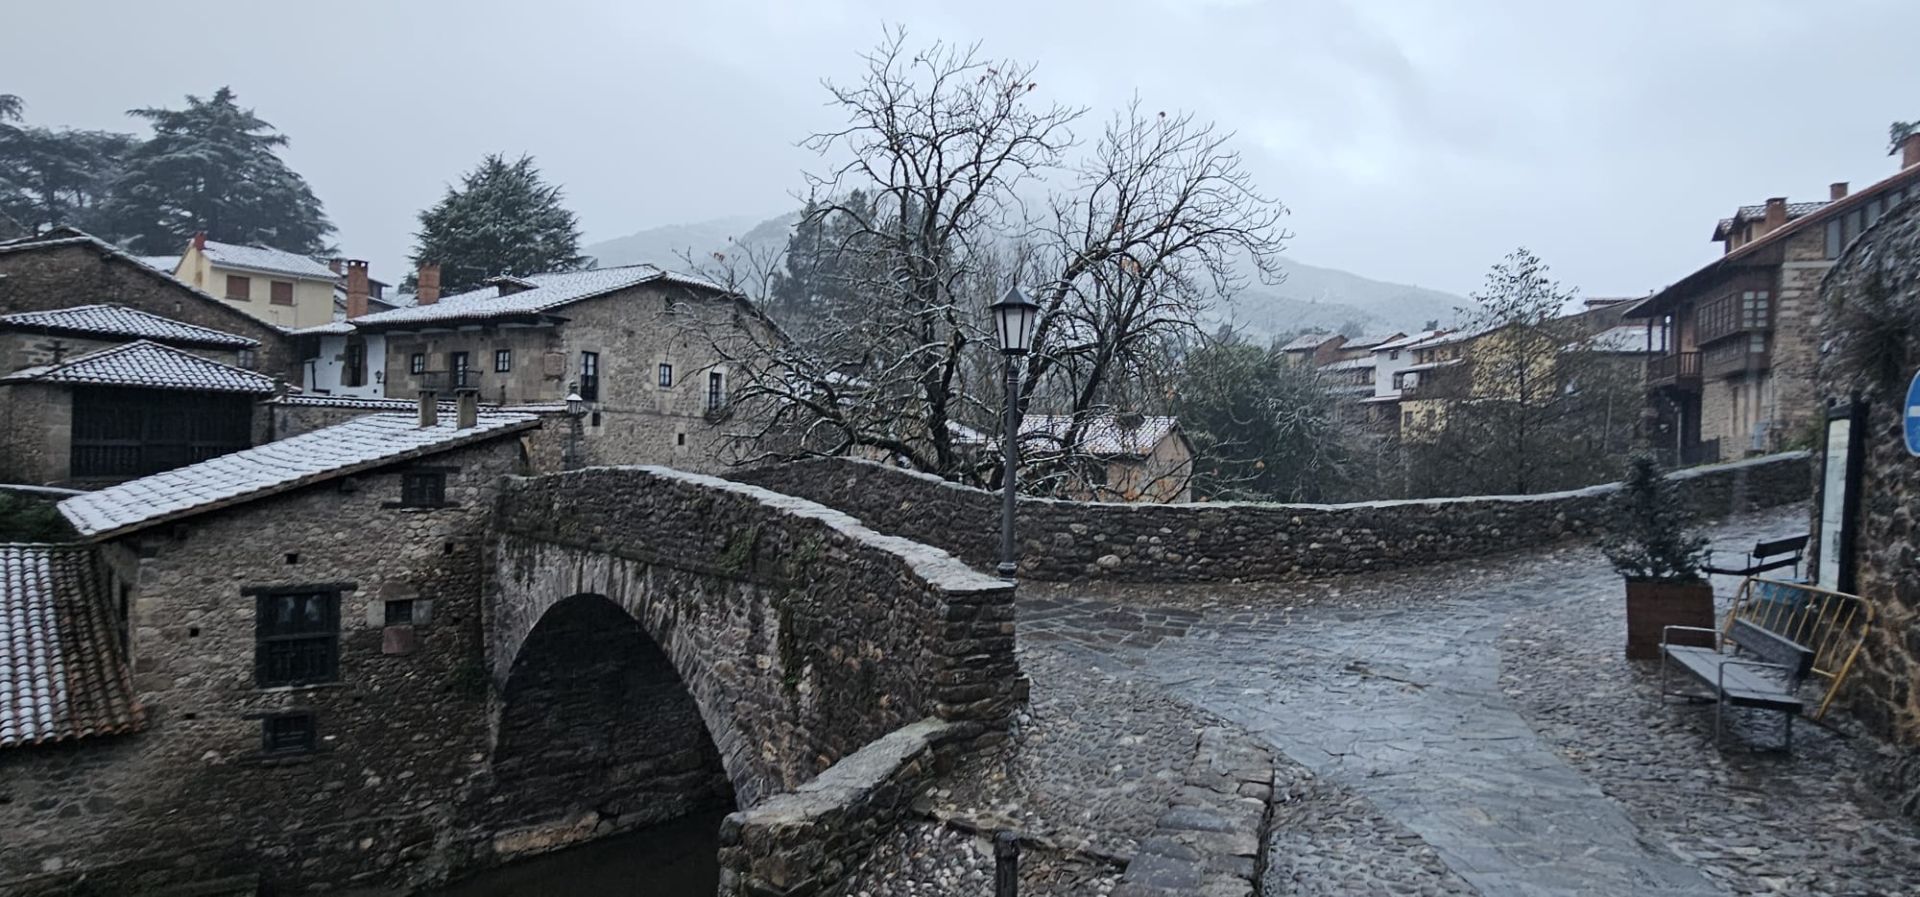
(803, 634)
(805, 841)
(1225, 541)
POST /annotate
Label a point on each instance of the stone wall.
(402, 734)
(62, 276)
(801, 634)
(1885, 686)
(804, 841)
(36, 429)
(1214, 542)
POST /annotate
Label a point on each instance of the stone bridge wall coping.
(805, 841)
(1224, 541)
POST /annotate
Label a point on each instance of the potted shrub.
(1650, 544)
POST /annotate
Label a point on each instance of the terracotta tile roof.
(1408, 340)
(1759, 213)
(62, 675)
(119, 320)
(360, 444)
(263, 258)
(147, 365)
(1308, 341)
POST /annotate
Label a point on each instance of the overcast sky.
(1414, 140)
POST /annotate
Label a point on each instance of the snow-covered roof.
(62, 675)
(360, 444)
(267, 259)
(147, 365)
(1407, 340)
(1759, 213)
(165, 263)
(549, 291)
(63, 236)
(1308, 341)
(1351, 364)
(1370, 340)
(119, 320)
(1104, 435)
(1449, 337)
(323, 329)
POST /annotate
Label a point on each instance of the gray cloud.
(1415, 141)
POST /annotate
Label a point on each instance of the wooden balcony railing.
(1678, 368)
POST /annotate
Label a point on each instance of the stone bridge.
(662, 641)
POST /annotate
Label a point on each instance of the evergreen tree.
(52, 177)
(1650, 540)
(502, 219)
(1261, 428)
(212, 167)
(815, 283)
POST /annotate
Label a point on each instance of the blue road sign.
(1912, 411)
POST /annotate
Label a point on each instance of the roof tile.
(62, 675)
(147, 365)
(119, 320)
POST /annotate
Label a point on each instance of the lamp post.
(576, 409)
(1013, 317)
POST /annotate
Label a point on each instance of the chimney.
(427, 292)
(356, 288)
(333, 264)
(1910, 151)
(1776, 214)
(200, 241)
(429, 408)
(468, 408)
(1837, 190)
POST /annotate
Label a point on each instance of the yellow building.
(285, 289)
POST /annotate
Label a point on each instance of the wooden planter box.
(1653, 606)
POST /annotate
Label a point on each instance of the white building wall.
(1385, 366)
(323, 372)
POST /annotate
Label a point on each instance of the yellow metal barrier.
(1833, 624)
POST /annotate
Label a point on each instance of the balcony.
(1739, 357)
(1680, 369)
(448, 381)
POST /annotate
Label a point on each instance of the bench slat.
(1745, 686)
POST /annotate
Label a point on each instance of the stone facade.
(1230, 541)
(402, 735)
(36, 426)
(22, 350)
(68, 274)
(1885, 689)
(633, 332)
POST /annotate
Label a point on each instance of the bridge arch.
(800, 634)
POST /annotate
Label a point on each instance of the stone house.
(635, 343)
(123, 412)
(1738, 376)
(1314, 349)
(298, 618)
(67, 268)
(1136, 457)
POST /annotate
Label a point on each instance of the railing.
(1735, 358)
(447, 381)
(1676, 368)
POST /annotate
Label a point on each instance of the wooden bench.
(1770, 554)
(1777, 636)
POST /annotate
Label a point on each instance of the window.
(502, 360)
(423, 489)
(417, 364)
(354, 370)
(1834, 243)
(248, 359)
(590, 376)
(1873, 211)
(456, 369)
(1393, 355)
(1406, 418)
(280, 292)
(666, 375)
(1753, 310)
(297, 638)
(400, 613)
(716, 390)
(239, 288)
(289, 733)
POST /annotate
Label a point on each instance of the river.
(677, 859)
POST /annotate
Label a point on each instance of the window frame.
(273, 292)
(589, 376)
(325, 634)
(389, 617)
(272, 745)
(666, 375)
(458, 364)
(417, 363)
(716, 390)
(423, 487)
(245, 293)
(502, 361)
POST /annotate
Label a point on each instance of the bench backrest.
(1773, 647)
(1771, 547)
(1832, 625)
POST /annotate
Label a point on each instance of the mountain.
(1308, 296)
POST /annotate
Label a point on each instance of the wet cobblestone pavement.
(1462, 729)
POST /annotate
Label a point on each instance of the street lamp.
(576, 409)
(1013, 319)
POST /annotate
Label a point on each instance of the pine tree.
(1650, 540)
(52, 177)
(212, 167)
(502, 219)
